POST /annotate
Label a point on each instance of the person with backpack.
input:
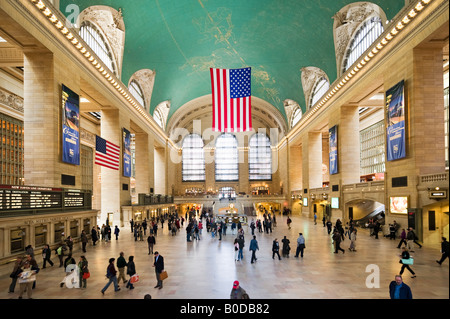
(60, 253)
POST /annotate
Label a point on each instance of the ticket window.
(59, 232)
(74, 228)
(40, 236)
(17, 240)
(87, 225)
(138, 216)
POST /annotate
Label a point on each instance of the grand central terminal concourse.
(214, 150)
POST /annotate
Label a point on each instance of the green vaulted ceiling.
(181, 39)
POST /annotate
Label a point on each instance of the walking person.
(151, 241)
(253, 248)
(352, 241)
(46, 255)
(236, 250)
(83, 270)
(337, 242)
(15, 274)
(289, 221)
(411, 238)
(300, 245)
(402, 239)
(399, 290)
(94, 235)
(84, 241)
(116, 232)
(238, 292)
(286, 248)
(111, 274)
(444, 250)
(131, 271)
(406, 261)
(121, 264)
(241, 243)
(159, 268)
(69, 243)
(26, 278)
(315, 218)
(60, 253)
(276, 249)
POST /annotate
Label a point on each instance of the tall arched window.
(92, 36)
(260, 158)
(227, 158)
(320, 88)
(158, 118)
(193, 159)
(136, 91)
(369, 31)
(296, 116)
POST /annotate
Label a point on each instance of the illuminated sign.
(335, 202)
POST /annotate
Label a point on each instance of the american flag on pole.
(106, 154)
(231, 97)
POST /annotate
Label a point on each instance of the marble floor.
(206, 269)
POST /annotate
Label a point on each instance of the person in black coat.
(276, 249)
(444, 250)
(159, 268)
(405, 255)
(131, 271)
(399, 290)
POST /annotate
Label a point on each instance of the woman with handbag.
(406, 261)
(131, 271)
(83, 271)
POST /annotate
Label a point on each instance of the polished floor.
(206, 269)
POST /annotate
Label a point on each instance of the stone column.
(312, 160)
(348, 145)
(113, 195)
(43, 77)
(144, 163)
(311, 164)
(160, 170)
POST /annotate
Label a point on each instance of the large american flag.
(106, 154)
(231, 99)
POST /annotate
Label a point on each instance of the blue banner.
(126, 153)
(395, 118)
(333, 150)
(70, 126)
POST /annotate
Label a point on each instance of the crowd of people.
(76, 273)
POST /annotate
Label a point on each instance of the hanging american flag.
(231, 100)
(106, 154)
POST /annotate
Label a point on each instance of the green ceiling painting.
(181, 39)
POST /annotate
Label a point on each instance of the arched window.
(320, 88)
(369, 31)
(296, 116)
(92, 36)
(193, 158)
(136, 91)
(227, 158)
(158, 118)
(260, 158)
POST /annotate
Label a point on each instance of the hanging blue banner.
(70, 126)
(333, 150)
(395, 118)
(126, 153)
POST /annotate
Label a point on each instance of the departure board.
(73, 199)
(36, 198)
